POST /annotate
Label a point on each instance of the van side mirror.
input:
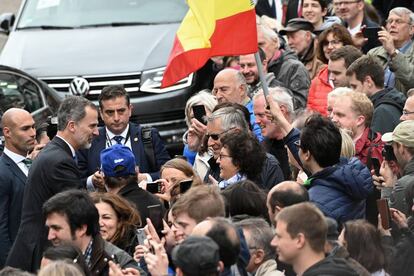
(6, 22)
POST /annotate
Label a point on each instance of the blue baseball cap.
(117, 160)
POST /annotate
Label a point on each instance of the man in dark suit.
(19, 134)
(53, 171)
(115, 111)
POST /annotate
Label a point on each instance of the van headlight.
(151, 81)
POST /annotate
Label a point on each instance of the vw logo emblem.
(79, 86)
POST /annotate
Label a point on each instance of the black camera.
(388, 153)
(51, 128)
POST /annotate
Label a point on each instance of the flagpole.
(261, 75)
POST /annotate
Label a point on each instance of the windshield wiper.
(120, 24)
(46, 27)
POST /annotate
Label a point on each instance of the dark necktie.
(118, 139)
(28, 162)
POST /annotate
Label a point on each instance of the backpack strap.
(146, 134)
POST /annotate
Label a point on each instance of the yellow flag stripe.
(226, 8)
(200, 22)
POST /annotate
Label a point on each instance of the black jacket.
(103, 251)
(330, 266)
(53, 171)
(140, 198)
(12, 182)
(388, 105)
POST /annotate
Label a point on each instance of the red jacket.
(369, 145)
(318, 92)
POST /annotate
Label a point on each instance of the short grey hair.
(410, 92)
(401, 11)
(340, 91)
(281, 96)
(204, 97)
(261, 235)
(73, 108)
(230, 117)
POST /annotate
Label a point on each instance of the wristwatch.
(396, 52)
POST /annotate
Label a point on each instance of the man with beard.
(72, 218)
(250, 71)
(19, 134)
(53, 171)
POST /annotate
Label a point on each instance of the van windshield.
(94, 13)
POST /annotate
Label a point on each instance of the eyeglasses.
(396, 21)
(223, 155)
(405, 112)
(216, 136)
(332, 42)
(345, 3)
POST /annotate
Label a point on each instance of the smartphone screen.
(199, 112)
(141, 236)
(384, 210)
(377, 165)
(371, 33)
(153, 187)
(155, 215)
(185, 185)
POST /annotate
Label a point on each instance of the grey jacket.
(396, 195)
(402, 65)
(294, 76)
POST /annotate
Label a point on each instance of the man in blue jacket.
(338, 186)
(115, 110)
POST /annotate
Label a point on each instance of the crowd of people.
(315, 177)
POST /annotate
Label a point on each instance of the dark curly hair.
(246, 152)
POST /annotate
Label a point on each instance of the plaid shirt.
(88, 253)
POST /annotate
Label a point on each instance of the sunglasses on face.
(216, 136)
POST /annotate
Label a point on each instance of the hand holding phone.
(154, 187)
(199, 113)
(155, 214)
(185, 185)
(371, 33)
(141, 236)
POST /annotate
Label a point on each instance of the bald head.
(19, 131)
(230, 86)
(285, 194)
(12, 116)
(202, 228)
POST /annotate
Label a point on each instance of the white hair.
(281, 96)
(339, 92)
(204, 97)
(400, 11)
